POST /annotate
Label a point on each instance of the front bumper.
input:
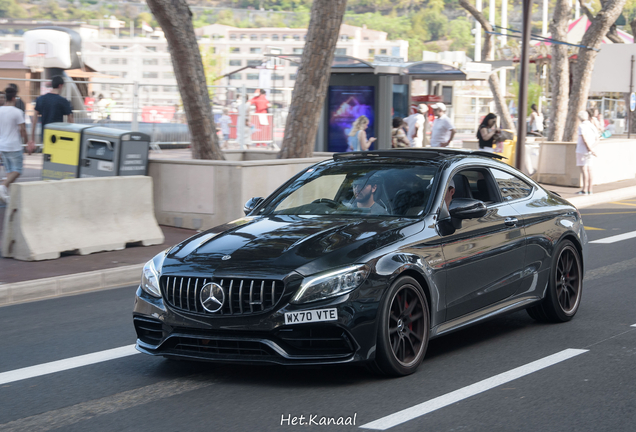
(262, 338)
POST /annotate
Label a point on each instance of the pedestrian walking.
(535, 121)
(417, 126)
(52, 108)
(443, 130)
(19, 103)
(398, 136)
(488, 132)
(225, 121)
(587, 139)
(357, 138)
(13, 135)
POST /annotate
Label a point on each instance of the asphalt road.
(591, 389)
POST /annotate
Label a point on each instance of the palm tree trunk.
(559, 70)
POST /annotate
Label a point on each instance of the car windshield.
(354, 189)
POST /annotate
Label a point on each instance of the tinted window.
(510, 186)
(477, 184)
(396, 190)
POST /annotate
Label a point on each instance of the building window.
(264, 37)
(150, 61)
(167, 62)
(124, 61)
(236, 62)
(154, 89)
(292, 77)
(151, 48)
(114, 61)
(298, 50)
(114, 47)
(341, 51)
(232, 37)
(150, 75)
(104, 60)
(344, 37)
(371, 53)
(170, 89)
(383, 51)
(278, 77)
(16, 47)
(235, 50)
(252, 76)
(236, 76)
(365, 38)
(296, 37)
(255, 50)
(253, 37)
(124, 74)
(254, 62)
(243, 36)
(168, 75)
(274, 37)
(285, 37)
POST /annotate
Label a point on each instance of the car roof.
(429, 153)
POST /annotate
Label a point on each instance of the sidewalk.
(22, 281)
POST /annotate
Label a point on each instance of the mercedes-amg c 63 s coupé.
(364, 258)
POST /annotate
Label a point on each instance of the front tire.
(403, 328)
(565, 287)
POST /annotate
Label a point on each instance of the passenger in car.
(364, 189)
(449, 193)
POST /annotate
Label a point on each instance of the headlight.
(331, 284)
(150, 279)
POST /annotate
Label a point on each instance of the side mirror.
(466, 208)
(251, 204)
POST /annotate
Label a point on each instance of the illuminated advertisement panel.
(348, 104)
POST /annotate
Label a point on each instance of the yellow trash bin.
(61, 150)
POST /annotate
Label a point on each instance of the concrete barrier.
(201, 194)
(614, 162)
(46, 218)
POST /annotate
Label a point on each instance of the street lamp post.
(523, 83)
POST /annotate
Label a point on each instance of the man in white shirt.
(417, 126)
(443, 130)
(12, 135)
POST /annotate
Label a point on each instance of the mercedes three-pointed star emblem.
(212, 297)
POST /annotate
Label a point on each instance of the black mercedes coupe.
(364, 258)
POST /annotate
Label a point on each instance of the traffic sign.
(632, 102)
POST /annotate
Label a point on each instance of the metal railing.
(157, 110)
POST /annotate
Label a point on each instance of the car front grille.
(242, 296)
(218, 347)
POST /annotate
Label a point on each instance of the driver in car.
(364, 189)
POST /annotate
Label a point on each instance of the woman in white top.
(536, 121)
(587, 137)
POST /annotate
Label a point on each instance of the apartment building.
(145, 58)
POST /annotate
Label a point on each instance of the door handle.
(511, 221)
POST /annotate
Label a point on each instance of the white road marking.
(616, 238)
(633, 325)
(466, 392)
(66, 364)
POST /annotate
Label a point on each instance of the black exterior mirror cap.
(467, 208)
(251, 204)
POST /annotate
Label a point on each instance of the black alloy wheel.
(565, 286)
(403, 329)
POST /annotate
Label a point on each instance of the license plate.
(317, 315)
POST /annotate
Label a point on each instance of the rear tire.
(403, 328)
(563, 296)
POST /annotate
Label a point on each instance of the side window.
(477, 184)
(510, 186)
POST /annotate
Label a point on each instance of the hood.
(274, 246)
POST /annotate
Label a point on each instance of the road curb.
(603, 197)
(61, 286)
